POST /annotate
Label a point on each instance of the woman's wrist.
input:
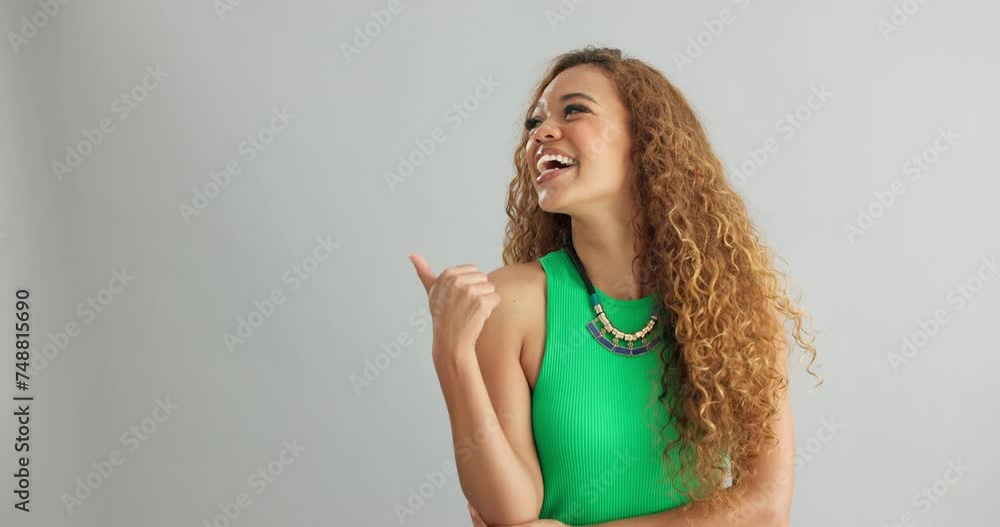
(453, 354)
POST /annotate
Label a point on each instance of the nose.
(547, 131)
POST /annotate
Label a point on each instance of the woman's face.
(581, 118)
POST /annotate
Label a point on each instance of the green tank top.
(595, 413)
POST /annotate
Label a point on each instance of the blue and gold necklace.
(601, 328)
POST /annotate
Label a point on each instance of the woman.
(632, 349)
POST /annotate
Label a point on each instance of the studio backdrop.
(206, 210)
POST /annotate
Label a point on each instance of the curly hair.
(725, 300)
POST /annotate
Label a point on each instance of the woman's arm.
(497, 465)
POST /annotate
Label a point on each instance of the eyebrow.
(570, 96)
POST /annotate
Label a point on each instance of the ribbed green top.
(595, 413)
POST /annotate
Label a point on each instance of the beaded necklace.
(600, 326)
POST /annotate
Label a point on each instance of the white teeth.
(552, 157)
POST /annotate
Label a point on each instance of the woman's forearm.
(747, 514)
(493, 477)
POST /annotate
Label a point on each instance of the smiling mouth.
(552, 173)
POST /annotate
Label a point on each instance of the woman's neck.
(607, 247)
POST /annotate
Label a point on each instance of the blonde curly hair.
(724, 298)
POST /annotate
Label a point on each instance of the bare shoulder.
(521, 287)
(521, 312)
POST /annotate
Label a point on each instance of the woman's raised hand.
(461, 298)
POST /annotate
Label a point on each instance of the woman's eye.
(533, 122)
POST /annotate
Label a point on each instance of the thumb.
(427, 277)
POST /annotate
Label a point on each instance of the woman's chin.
(551, 200)
(552, 195)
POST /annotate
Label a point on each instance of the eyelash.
(532, 122)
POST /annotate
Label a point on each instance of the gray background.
(894, 432)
